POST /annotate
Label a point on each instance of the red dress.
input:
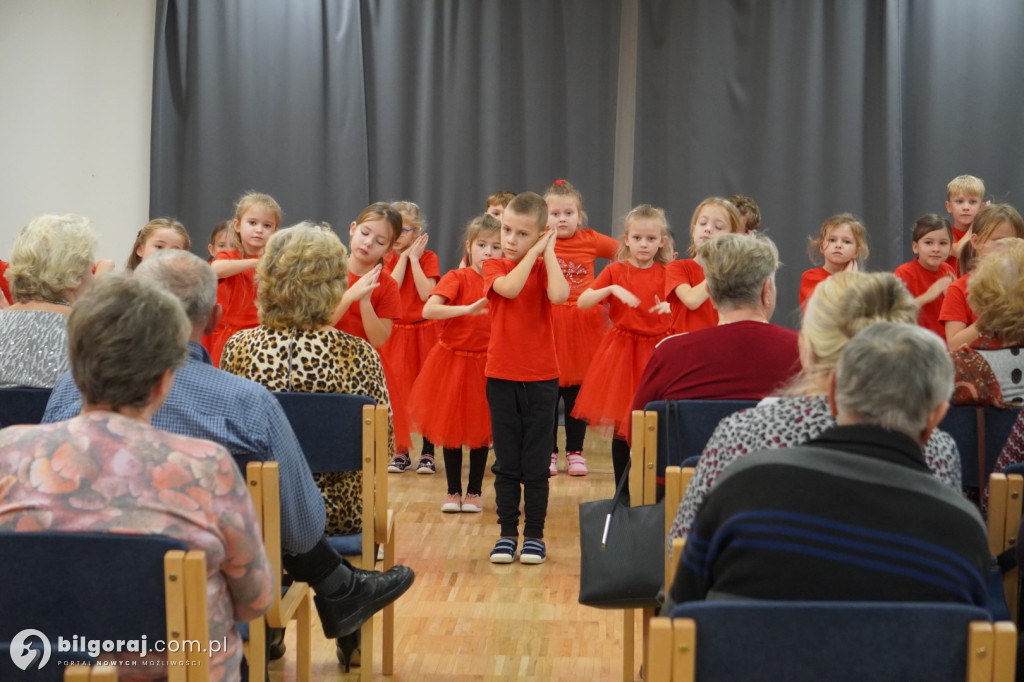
(412, 337)
(809, 281)
(687, 271)
(448, 402)
(387, 304)
(918, 278)
(3, 282)
(578, 333)
(237, 297)
(607, 393)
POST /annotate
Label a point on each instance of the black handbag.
(622, 553)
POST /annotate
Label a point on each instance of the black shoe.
(348, 650)
(275, 643)
(343, 613)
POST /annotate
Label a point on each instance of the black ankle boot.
(347, 650)
(344, 611)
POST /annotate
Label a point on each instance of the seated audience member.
(127, 474)
(988, 370)
(855, 514)
(301, 278)
(51, 265)
(245, 418)
(744, 357)
(840, 306)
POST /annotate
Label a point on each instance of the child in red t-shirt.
(634, 285)
(928, 276)
(992, 223)
(522, 372)
(448, 403)
(843, 242)
(4, 286)
(156, 235)
(684, 279)
(220, 239)
(578, 332)
(371, 304)
(965, 195)
(416, 271)
(257, 217)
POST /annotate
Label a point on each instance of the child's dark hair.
(564, 188)
(382, 210)
(148, 229)
(530, 204)
(482, 224)
(860, 235)
(928, 223)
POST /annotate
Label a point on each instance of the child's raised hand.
(418, 247)
(540, 247)
(625, 295)
(478, 307)
(851, 266)
(103, 266)
(364, 286)
(661, 307)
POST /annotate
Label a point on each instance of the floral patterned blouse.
(783, 423)
(103, 472)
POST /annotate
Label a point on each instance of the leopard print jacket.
(315, 361)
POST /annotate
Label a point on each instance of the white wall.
(75, 95)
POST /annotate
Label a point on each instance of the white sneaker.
(554, 464)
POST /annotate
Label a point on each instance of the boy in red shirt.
(965, 195)
(522, 372)
(928, 276)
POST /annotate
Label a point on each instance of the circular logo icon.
(24, 655)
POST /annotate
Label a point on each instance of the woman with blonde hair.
(51, 266)
(840, 306)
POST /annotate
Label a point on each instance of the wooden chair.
(1006, 492)
(326, 425)
(22, 405)
(106, 586)
(88, 673)
(980, 433)
(835, 641)
(676, 481)
(295, 603)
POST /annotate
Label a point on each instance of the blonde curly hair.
(302, 277)
(996, 292)
(51, 257)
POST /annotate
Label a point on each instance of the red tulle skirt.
(606, 398)
(449, 400)
(399, 409)
(406, 350)
(578, 335)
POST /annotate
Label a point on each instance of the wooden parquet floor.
(467, 619)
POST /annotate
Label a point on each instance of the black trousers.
(575, 429)
(522, 420)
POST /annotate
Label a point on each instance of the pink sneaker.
(554, 464)
(472, 504)
(577, 465)
(452, 503)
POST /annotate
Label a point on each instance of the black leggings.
(575, 429)
(453, 470)
(620, 459)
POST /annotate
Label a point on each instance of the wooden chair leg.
(628, 644)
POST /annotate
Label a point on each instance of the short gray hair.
(893, 375)
(123, 334)
(185, 275)
(736, 266)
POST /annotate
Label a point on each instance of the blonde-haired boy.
(965, 195)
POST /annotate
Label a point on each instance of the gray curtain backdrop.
(811, 107)
(329, 106)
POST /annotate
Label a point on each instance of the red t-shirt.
(4, 286)
(466, 332)
(955, 307)
(954, 262)
(688, 271)
(645, 284)
(385, 301)
(522, 343)
(742, 361)
(808, 281)
(412, 304)
(237, 295)
(576, 258)
(918, 278)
